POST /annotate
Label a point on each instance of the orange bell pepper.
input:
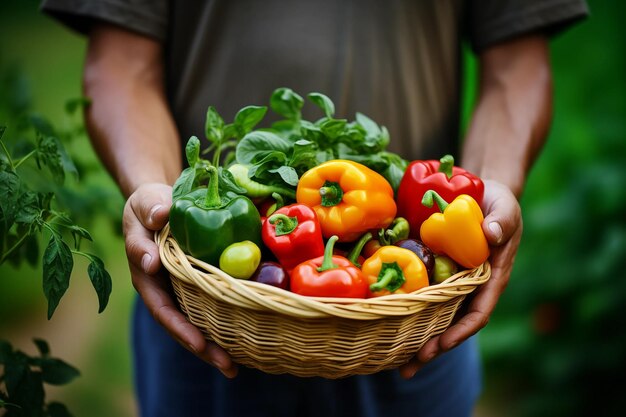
(457, 231)
(348, 198)
(394, 270)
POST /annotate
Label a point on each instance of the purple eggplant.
(422, 251)
(271, 273)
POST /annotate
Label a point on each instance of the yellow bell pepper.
(348, 198)
(396, 270)
(457, 231)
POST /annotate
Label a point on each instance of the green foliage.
(34, 167)
(25, 213)
(24, 377)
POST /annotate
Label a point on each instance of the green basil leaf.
(287, 128)
(270, 160)
(287, 103)
(324, 103)
(184, 183)
(214, 126)
(192, 151)
(304, 156)
(101, 281)
(56, 409)
(57, 372)
(247, 118)
(333, 128)
(287, 173)
(370, 126)
(57, 269)
(227, 182)
(257, 144)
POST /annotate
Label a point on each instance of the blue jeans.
(172, 382)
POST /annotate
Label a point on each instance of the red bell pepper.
(441, 176)
(329, 276)
(293, 234)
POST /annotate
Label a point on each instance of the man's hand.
(503, 228)
(147, 211)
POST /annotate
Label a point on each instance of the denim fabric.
(171, 382)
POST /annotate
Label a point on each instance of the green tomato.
(444, 269)
(240, 259)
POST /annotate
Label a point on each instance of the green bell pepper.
(204, 222)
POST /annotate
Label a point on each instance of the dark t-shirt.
(397, 61)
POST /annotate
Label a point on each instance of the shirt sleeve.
(490, 22)
(147, 17)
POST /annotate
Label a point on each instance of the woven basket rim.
(258, 296)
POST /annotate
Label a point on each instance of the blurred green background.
(556, 345)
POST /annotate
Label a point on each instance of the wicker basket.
(277, 331)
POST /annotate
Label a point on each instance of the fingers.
(502, 213)
(503, 228)
(146, 211)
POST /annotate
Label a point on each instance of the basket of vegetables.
(307, 248)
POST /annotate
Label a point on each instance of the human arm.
(507, 131)
(132, 130)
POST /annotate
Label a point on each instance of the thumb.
(502, 213)
(151, 204)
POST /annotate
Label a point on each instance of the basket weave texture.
(278, 331)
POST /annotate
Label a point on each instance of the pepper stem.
(284, 224)
(385, 280)
(353, 256)
(328, 255)
(430, 196)
(331, 193)
(280, 202)
(398, 230)
(212, 192)
(446, 164)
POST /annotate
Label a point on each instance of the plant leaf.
(57, 269)
(56, 371)
(323, 102)
(9, 193)
(227, 182)
(74, 104)
(214, 126)
(247, 118)
(257, 144)
(49, 155)
(56, 409)
(287, 173)
(42, 346)
(101, 281)
(287, 103)
(184, 183)
(28, 207)
(192, 151)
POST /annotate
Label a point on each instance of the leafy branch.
(28, 211)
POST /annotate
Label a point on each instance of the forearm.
(512, 117)
(129, 122)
